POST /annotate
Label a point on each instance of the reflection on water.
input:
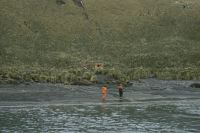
(103, 99)
(103, 117)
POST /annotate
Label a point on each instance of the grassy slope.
(135, 38)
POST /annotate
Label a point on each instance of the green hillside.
(44, 41)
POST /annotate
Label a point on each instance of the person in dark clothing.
(120, 89)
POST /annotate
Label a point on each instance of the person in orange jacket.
(104, 91)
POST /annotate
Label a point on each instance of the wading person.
(120, 89)
(104, 91)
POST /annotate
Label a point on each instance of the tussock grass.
(45, 42)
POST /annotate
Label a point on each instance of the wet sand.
(142, 90)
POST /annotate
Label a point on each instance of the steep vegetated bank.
(61, 41)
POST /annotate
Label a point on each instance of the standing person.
(104, 91)
(120, 89)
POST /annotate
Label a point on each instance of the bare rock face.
(195, 85)
(79, 3)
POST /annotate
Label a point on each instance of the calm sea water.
(179, 116)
